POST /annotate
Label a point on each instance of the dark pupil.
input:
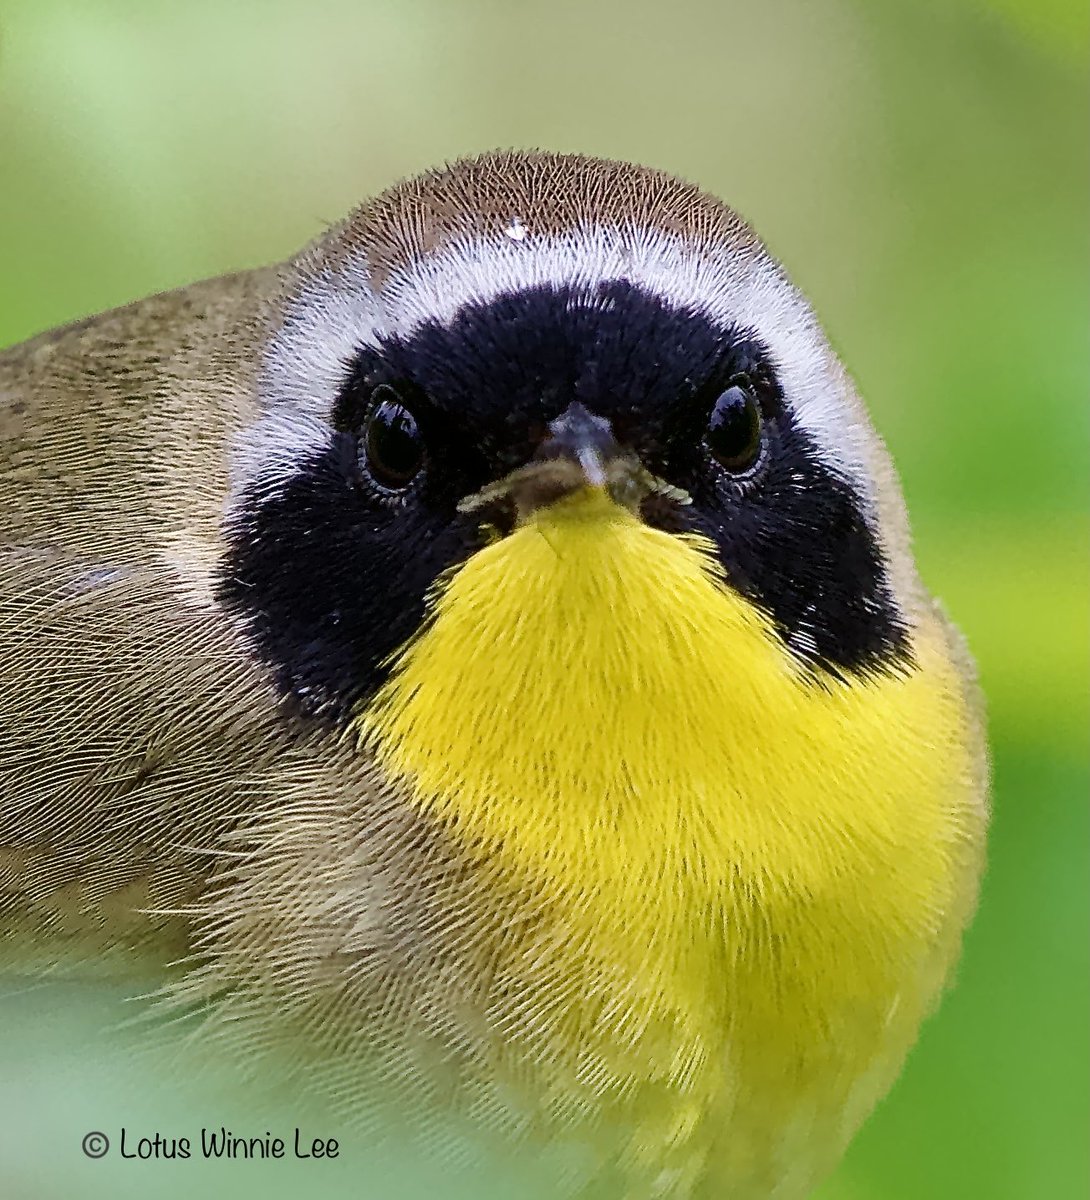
(734, 430)
(394, 448)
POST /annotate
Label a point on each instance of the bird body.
(488, 645)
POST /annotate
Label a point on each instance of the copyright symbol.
(95, 1144)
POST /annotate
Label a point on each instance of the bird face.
(446, 368)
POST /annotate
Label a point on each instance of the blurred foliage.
(920, 168)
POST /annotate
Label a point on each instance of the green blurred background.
(920, 168)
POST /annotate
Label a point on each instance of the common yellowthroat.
(486, 648)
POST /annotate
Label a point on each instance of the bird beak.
(580, 439)
(579, 452)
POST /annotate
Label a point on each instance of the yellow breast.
(757, 880)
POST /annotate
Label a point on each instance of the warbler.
(485, 651)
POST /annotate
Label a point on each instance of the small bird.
(484, 655)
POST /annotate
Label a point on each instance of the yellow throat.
(777, 864)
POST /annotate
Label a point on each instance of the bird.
(483, 654)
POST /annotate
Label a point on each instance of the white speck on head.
(515, 230)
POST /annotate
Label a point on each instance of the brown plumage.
(126, 710)
(550, 193)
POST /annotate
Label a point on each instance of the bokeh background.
(922, 170)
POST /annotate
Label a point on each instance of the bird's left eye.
(391, 448)
(735, 433)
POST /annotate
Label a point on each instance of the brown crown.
(548, 193)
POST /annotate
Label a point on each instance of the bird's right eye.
(392, 451)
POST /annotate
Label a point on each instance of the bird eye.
(735, 429)
(391, 449)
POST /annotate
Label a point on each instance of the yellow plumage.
(752, 871)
